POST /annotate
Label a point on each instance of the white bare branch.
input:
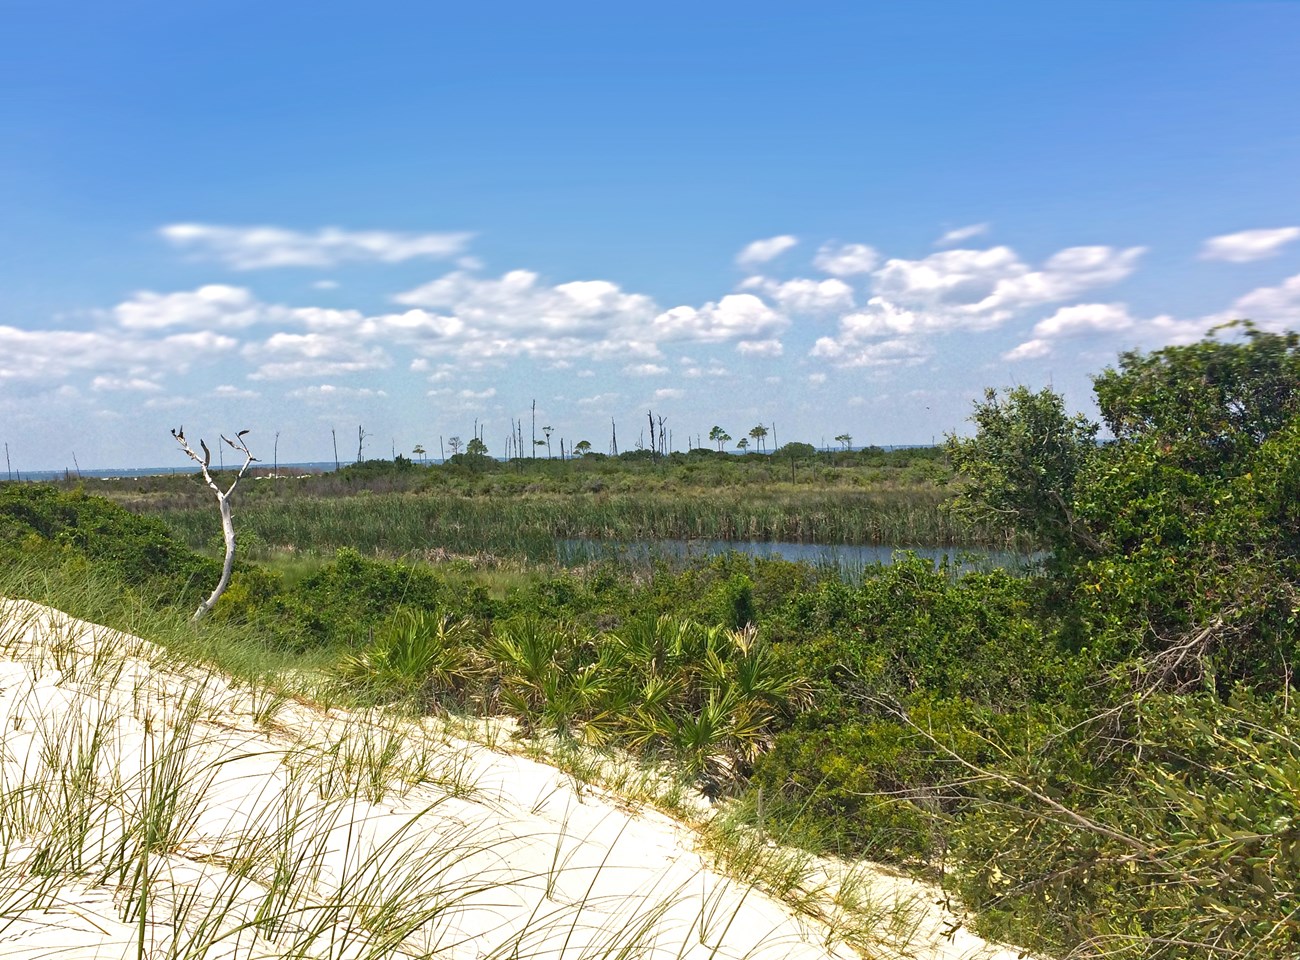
(223, 504)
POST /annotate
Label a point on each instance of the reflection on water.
(849, 559)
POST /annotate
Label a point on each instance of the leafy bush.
(139, 550)
(1188, 848)
(417, 655)
(352, 597)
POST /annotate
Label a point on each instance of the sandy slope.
(147, 802)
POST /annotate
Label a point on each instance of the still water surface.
(850, 559)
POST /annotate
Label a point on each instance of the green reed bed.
(529, 526)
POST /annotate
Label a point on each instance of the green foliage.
(1103, 753)
(1191, 849)
(1198, 574)
(797, 450)
(139, 550)
(417, 655)
(707, 696)
(1155, 821)
(1214, 402)
(352, 597)
(848, 775)
(1021, 466)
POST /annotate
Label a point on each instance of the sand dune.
(152, 808)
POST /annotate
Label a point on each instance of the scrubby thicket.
(1102, 757)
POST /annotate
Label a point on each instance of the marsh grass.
(531, 526)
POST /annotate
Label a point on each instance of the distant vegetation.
(477, 506)
(1101, 756)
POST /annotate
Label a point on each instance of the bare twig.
(223, 504)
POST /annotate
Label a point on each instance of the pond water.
(849, 559)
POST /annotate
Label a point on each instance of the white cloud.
(230, 392)
(881, 318)
(103, 382)
(1065, 274)
(288, 355)
(517, 315)
(29, 355)
(901, 351)
(1029, 350)
(600, 400)
(329, 393)
(1272, 308)
(669, 393)
(254, 248)
(1085, 318)
(954, 281)
(1248, 245)
(961, 234)
(980, 289)
(326, 285)
(644, 369)
(200, 342)
(847, 260)
(412, 326)
(817, 379)
(1081, 319)
(760, 348)
(803, 296)
(735, 316)
(213, 305)
(762, 251)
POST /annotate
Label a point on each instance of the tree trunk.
(228, 532)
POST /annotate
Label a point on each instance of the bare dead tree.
(223, 503)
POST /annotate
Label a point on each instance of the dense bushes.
(139, 550)
(1186, 842)
(1156, 819)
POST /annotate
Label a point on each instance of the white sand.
(143, 803)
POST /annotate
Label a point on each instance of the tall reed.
(530, 526)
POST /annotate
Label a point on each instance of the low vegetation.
(533, 508)
(1101, 755)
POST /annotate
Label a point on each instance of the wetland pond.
(851, 560)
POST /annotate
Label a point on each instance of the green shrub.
(348, 600)
(139, 550)
(1193, 849)
(417, 655)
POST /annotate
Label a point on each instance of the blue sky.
(837, 217)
